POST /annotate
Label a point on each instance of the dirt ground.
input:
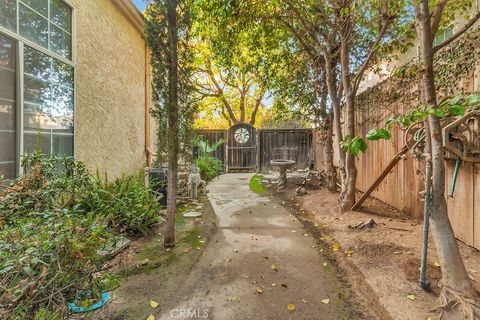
(380, 264)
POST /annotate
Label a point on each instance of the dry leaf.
(349, 252)
(411, 297)
(187, 250)
(325, 264)
(436, 264)
(284, 285)
(151, 317)
(291, 306)
(274, 267)
(326, 301)
(259, 290)
(304, 301)
(153, 304)
(336, 247)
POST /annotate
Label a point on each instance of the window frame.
(21, 42)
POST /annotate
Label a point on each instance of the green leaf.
(473, 99)
(363, 145)
(404, 121)
(457, 110)
(439, 113)
(455, 100)
(357, 145)
(377, 134)
(354, 147)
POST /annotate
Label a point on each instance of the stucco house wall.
(110, 88)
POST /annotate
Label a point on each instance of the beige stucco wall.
(110, 89)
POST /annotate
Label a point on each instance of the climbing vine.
(399, 94)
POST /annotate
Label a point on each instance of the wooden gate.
(242, 148)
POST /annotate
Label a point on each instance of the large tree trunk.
(330, 67)
(173, 140)
(347, 196)
(328, 154)
(457, 287)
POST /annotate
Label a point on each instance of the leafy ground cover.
(55, 220)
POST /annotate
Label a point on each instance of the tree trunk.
(457, 287)
(332, 92)
(347, 196)
(173, 141)
(328, 154)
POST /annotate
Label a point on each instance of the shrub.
(210, 167)
(54, 222)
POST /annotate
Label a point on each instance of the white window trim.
(19, 62)
(18, 37)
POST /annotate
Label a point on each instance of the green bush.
(54, 222)
(210, 167)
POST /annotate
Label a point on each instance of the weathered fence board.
(294, 139)
(212, 136)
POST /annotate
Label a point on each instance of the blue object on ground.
(76, 309)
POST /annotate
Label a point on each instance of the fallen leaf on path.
(233, 298)
(326, 301)
(293, 231)
(314, 246)
(235, 250)
(336, 247)
(259, 290)
(436, 264)
(153, 304)
(291, 306)
(304, 301)
(325, 264)
(284, 285)
(349, 252)
(274, 284)
(411, 297)
(305, 234)
(316, 224)
(274, 267)
(151, 317)
(187, 250)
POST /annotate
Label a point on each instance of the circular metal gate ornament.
(242, 135)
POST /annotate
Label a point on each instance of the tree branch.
(465, 28)
(437, 17)
(371, 54)
(221, 95)
(258, 102)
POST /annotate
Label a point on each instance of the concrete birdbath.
(282, 165)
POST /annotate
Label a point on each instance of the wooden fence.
(403, 186)
(211, 137)
(269, 141)
(293, 139)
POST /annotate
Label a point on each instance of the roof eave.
(131, 13)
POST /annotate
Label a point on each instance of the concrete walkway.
(236, 276)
